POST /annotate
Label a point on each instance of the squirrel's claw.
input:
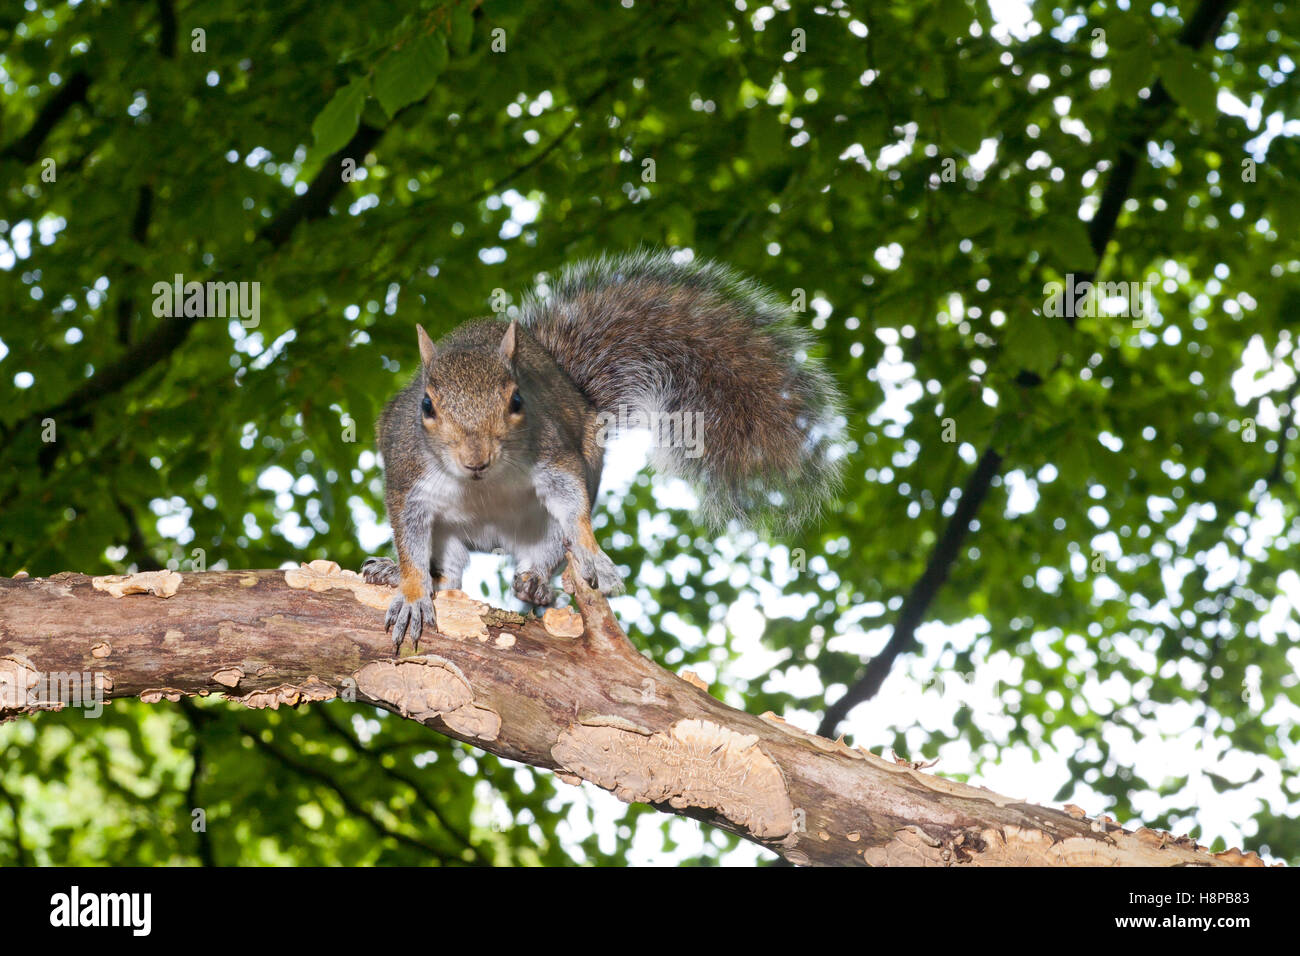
(532, 587)
(408, 618)
(381, 571)
(598, 570)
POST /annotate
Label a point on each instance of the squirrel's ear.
(508, 344)
(426, 345)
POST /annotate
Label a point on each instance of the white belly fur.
(501, 510)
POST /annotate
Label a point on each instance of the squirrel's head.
(471, 408)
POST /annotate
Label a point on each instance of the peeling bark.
(567, 693)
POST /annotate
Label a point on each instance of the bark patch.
(327, 575)
(228, 676)
(163, 584)
(697, 763)
(17, 680)
(562, 622)
(290, 695)
(427, 687)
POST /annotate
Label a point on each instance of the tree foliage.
(917, 173)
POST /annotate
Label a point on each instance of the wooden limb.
(912, 614)
(26, 148)
(562, 694)
(600, 629)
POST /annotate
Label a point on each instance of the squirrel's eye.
(516, 403)
(426, 406)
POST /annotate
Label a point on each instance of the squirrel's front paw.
(381, 571)
(599, 571)
(532, 587)
(408, 618)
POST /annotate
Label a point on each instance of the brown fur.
(646, 332)
(641, 334)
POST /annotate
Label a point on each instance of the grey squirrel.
(498, 440)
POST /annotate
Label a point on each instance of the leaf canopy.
(1119, 628)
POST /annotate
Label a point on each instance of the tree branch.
(167, 29)
(1204, 24)
(549, 148)
(392, 773)
(203, 839)
(568, 694)
(912, 613)
(171, 333)
(25, 147)
(304, 769)
(315, 202)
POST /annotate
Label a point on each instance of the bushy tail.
(711, 361)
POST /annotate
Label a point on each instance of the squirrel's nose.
(476, 469)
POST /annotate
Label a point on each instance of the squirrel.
(498, 440)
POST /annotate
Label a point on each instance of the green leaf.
(462, 28)
(407, 74)
(1031, 344)
(955, 15)
(1129, 72)
(968, 218)
(963, 126)
(1073, 458)
(1191, 85)
(930, 75)
(765, 137)
(1127, 33)
(338, 121)
(1069, 240)
(1145, 428)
